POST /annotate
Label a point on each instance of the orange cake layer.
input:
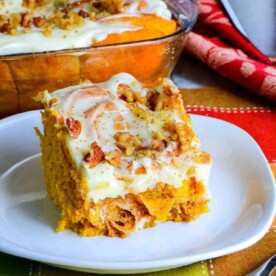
(120, 156)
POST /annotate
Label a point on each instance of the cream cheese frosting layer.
(141, 138)
(82, 35)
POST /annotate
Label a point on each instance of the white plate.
(242, 207)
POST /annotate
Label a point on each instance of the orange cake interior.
(119, 156)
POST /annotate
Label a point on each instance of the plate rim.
(17, 250)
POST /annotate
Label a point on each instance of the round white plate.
(241, 210)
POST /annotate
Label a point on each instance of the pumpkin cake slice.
(119, 156)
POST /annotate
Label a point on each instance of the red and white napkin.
(217, 43)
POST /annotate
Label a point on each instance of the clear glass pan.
(22, 76)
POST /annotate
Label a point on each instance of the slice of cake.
(119, 156)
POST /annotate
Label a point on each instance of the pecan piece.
(39, 21)
(30, 4)
(74, 127)
(95, 155)
(159, 145)
(141, 170)
(114, 157)
(83, 14)
(26, 18)
(8, 28)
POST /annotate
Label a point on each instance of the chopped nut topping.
(142, 4)
(74, 127)
(152, 98)
(158, 106)
(122, 88)
(170, 126)
(127, 142)
(26, 19)
(30, 4)
(15, 19)
(38, 21)
(3, 19)
(191, 171)
(145, 153)
(129, 150)
(114, 157)
(66, 24)
(59, 120)
(157, 135)
(8, 28)
(113, 6)
(203, 158)
(65, 15)
(130, 96)
(95, 155)
(141, 170)
(47, 31)
(83, 14)
(185, 135)
(52, 101)
(159, 145)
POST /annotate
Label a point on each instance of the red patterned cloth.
(217, 43)
(258, 122)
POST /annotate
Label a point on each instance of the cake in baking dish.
(54, 44)
(28, 26)
(119, 156)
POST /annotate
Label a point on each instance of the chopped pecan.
(159, 145)
(15, 19)
(152, 99)
(3, 19)
(122, 88)
(74, 127)
(114, 157)
(143, 4)
(157, 135)
(39, 21)
(141, 170)
(113, 6)
(30, 4)
(203, 158)
(8, 28)
(128, 96)
(66, 24)
(129, 150)
(95, 155)
(83, 14)
(47, 31)
(26, 19)
(185, 135)
(123, 137)
(127, 142)
(158, 106)
(97, 5)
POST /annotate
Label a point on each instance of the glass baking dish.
(22, 76)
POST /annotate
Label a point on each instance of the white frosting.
(153, 7)
(81, 36)
(60, 39)
(88, 104)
